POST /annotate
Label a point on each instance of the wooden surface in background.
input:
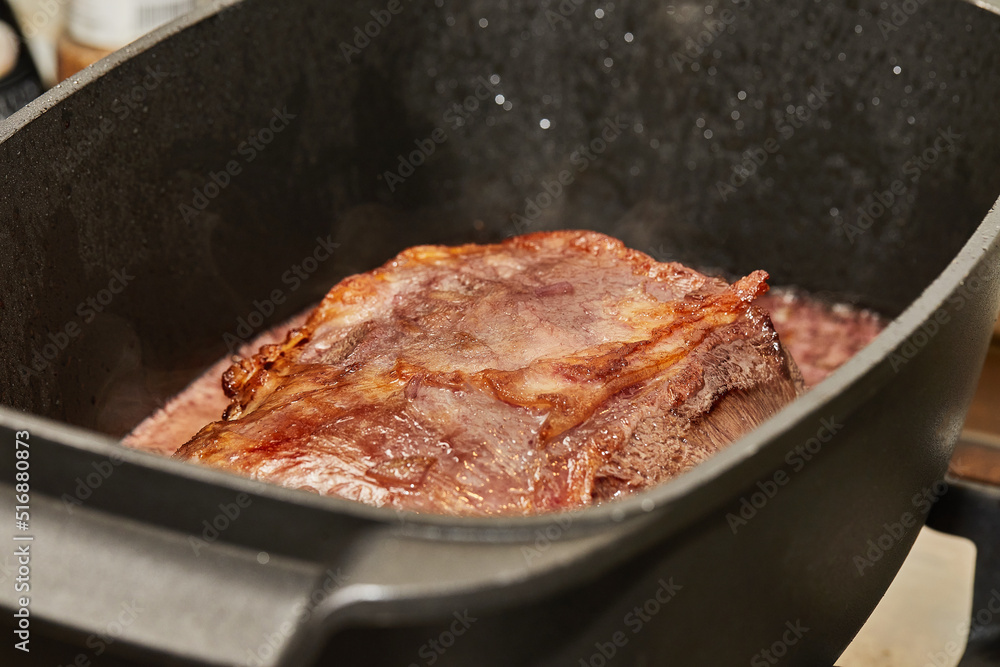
(977, 456)
(985, 412)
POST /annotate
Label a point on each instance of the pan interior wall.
(213, 185)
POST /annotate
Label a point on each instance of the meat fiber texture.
(548, 372)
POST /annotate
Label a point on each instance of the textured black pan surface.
(126, 175)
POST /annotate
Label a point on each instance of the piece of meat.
(547, 372)
(202, 401)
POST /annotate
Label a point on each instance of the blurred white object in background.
(111, 24)
(10, 47)
(41, 22)
(65, 36)
(95, 28)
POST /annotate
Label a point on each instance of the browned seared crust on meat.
(547, 372)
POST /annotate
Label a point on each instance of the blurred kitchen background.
(64, 36)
